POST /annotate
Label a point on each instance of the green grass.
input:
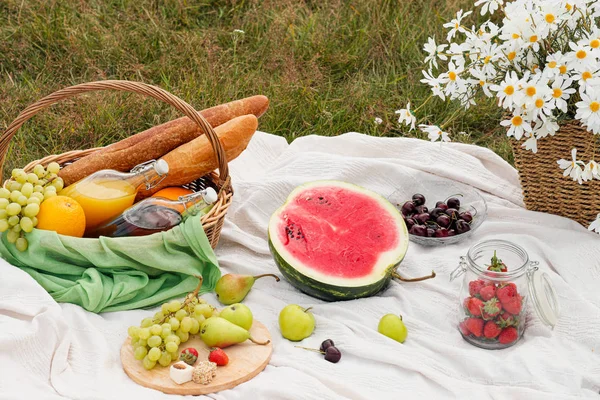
(328, 66)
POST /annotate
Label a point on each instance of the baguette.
(197, 158)
(158, 140)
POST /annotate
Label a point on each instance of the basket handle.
(123, 86)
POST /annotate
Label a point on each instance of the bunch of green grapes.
(157, 339)
(20, 200)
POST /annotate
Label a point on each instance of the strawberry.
(491, 308)
(475, 326)
(506, 320)
(513, 305)
(218, 356)
(487, 292)
(189, 355)
(497, 265)
(508, 335)
(475, 287)
(463, 328)
(474, 305)
(505, 292)
(491, 330)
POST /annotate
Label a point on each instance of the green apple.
(296, 323)
(393, 327)
(239, 314)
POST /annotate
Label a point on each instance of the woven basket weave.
(212, 222)
(545, 188)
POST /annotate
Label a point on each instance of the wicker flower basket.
(545, 188)
(212, 222)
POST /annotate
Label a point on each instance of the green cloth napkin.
(116, 274)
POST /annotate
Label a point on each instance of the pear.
(239, 314)
(218, 332)
(233, 288)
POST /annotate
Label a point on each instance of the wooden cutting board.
(246, 360)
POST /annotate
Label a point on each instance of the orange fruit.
(63, 215)
(172, 193)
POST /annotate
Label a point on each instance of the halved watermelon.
(337, 241)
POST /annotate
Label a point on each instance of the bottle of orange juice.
(105, 194)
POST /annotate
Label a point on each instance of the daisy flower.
(434, 51)
(534, 89)
(508, 91)
(488, 6)
(542, 106)
(518, 126)
(481, 79)
(561, 91)
(591, 170)
(530, 144)
(581, 56)
(435, 133)
(586, 79)
(572, 167)
(455, 25)
(555, 65)
(407, 117)
(545, 128)
(595, 226)
(435, 83)
(588, 111)
(452, 78)
(378, 121)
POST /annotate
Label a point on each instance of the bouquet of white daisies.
(542, 63)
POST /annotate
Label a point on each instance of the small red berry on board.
(189, 355)
(219, 357)
(491, 330)
(508, 335)
(475, 326)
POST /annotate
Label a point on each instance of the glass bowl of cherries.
(448, 219)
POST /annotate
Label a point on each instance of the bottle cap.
(161, 167)
(210, 196)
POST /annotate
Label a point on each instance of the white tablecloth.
(57, 351)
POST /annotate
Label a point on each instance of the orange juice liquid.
(101, 200)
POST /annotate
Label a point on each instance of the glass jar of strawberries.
(499, 281)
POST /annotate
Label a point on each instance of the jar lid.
(544, 297)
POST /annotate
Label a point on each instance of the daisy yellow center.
(487, 59)
(516, 36)
(594, 106)
(550, 18)
(533, 39)
(581, 54)
(481, 83)
(552, 64)
(511, 56)
(456, 25)
(452, 75)
(586, 75)
(557, 92)
(568, 7)
(595, 43)
(516, 120)
(539, 103)
(509, 90)
(562, 69)
(530, 91)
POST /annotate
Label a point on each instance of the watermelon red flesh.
(337, 241)
(323, 228)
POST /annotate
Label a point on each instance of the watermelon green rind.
(335, 288)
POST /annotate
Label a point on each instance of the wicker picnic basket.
(545, 188)
(212, 222)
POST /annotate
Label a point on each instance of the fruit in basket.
(233, 288)
(218, 332)
(337, 241)
(63, 215)
(392, 326)
(239, 314)
(173, 193)
(296, 323)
